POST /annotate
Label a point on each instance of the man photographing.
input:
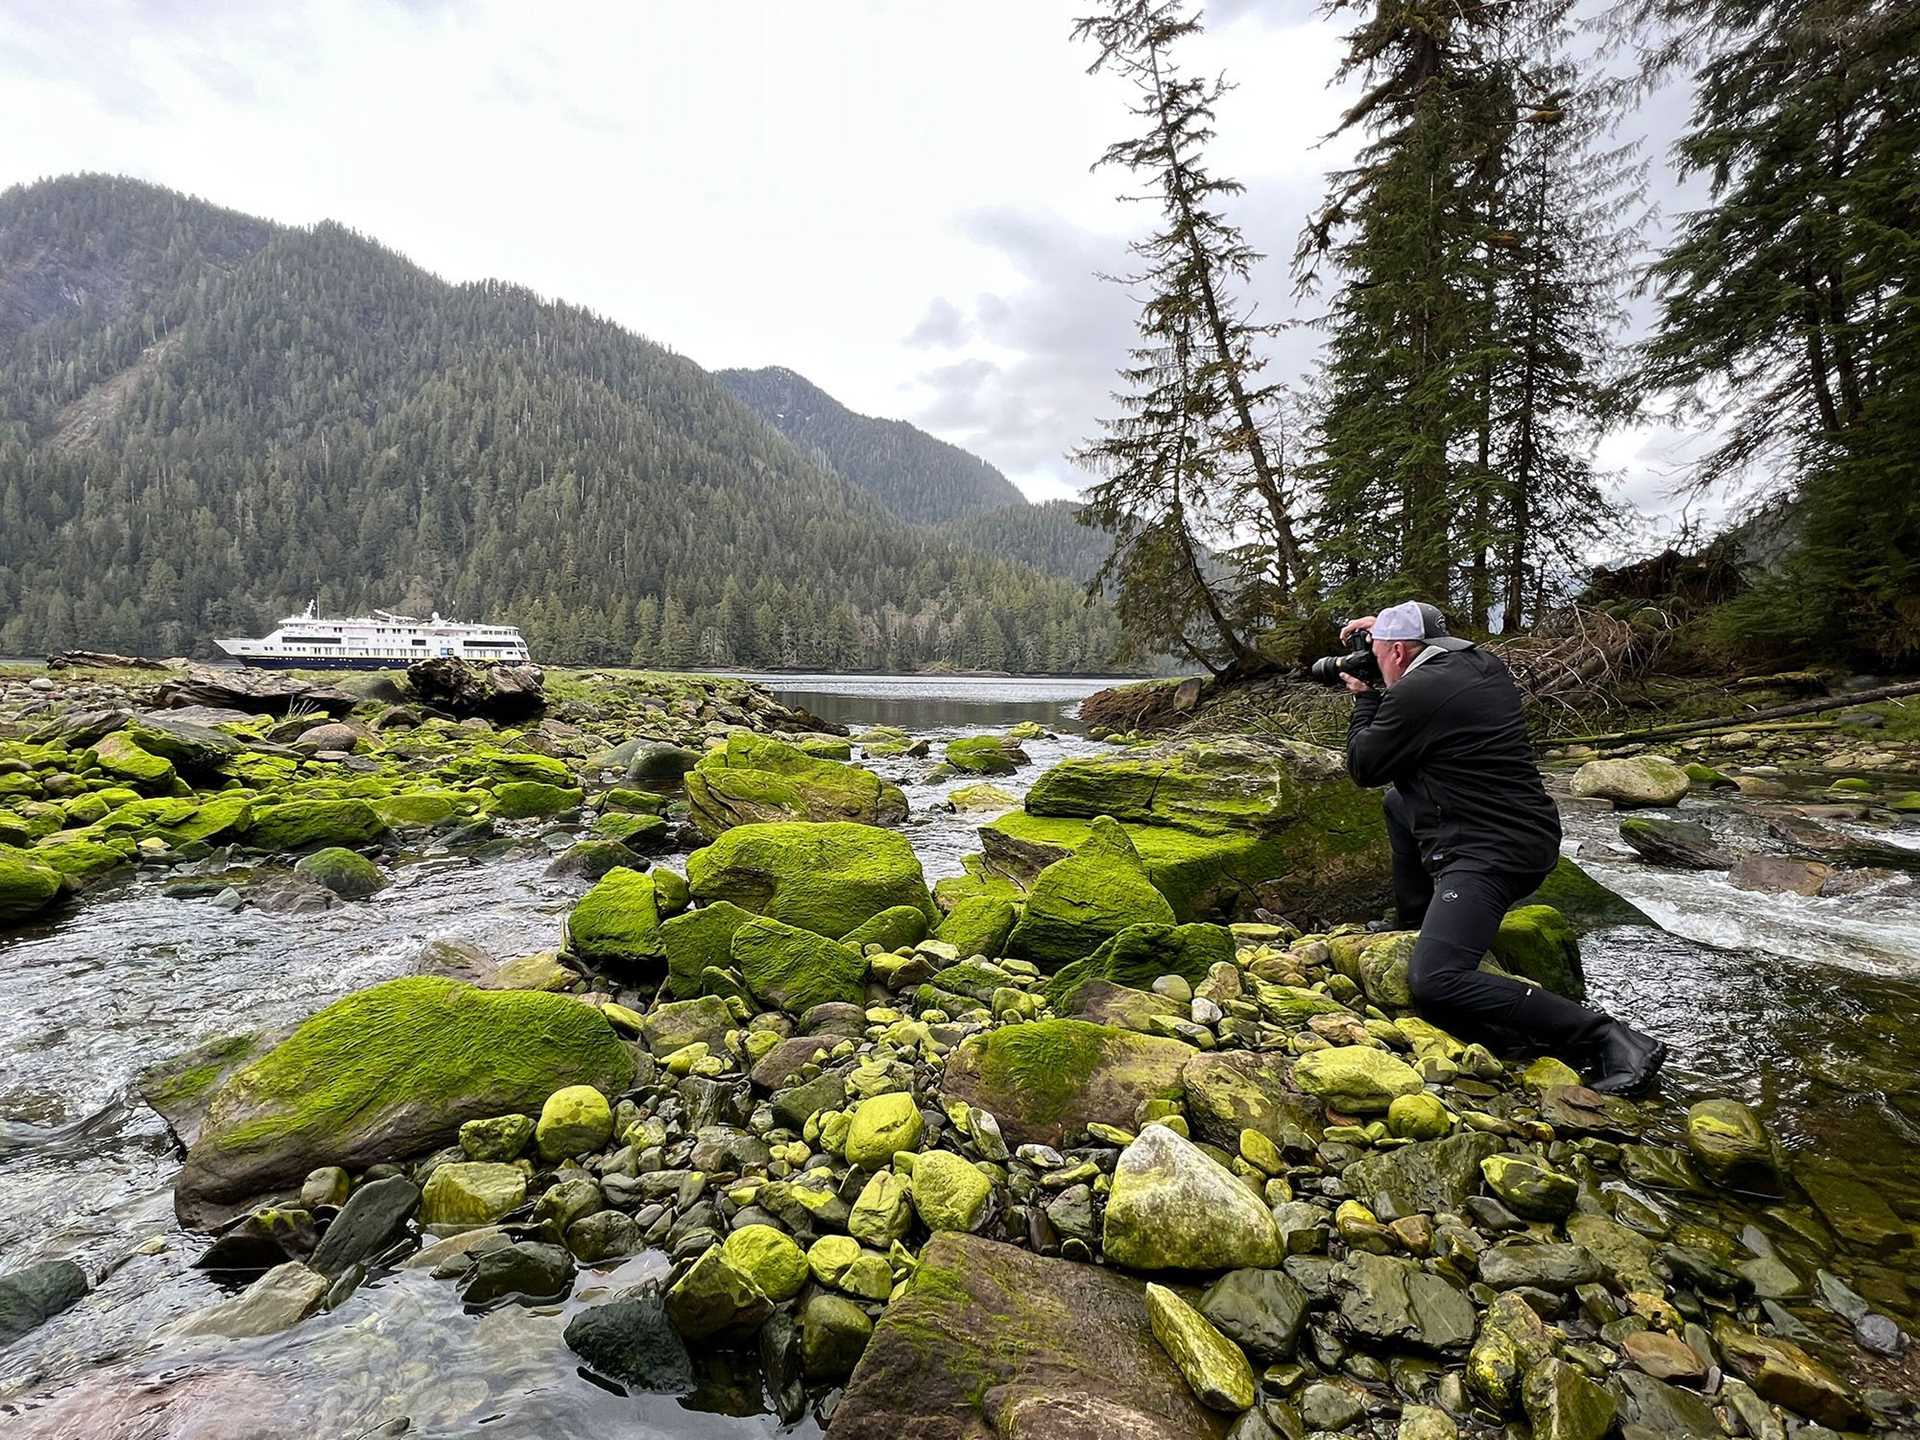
(1472, 830)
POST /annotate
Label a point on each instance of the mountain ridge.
(329, 420)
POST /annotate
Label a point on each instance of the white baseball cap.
(1401, 622)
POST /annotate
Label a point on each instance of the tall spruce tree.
(1192, 441)
(1788, 305)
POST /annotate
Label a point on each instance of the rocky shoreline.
(1127, 1131)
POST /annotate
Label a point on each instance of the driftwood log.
(1737, 722)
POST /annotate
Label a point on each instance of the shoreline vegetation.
(1132, 1118)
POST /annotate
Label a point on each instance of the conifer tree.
(1193, 438)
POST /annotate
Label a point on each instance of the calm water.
(1804, 1008)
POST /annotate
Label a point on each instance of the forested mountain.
(1047, 537)
(207, 420)
(914, 475)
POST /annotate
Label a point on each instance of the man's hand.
(1365, 622)
(1355, 684)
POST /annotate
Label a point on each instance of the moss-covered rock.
(419, 809)
(984, 797)
(491, 765)
(1172, 1207)
(1638, 780)
(121, 756)
(1046, 1081)
(978, 925)
(26, 886)
(220, 819)
(1215, 1368)
(1731, 1144)
(303, 824)
(892, 928)
(576, 1120)
(770, 1259)
(1583, 900)
(949, 1192)
(1289, 830)
(346, 873)
(1141, 954)
(617, 922)
(81, 862)
(391, 1071)
(472, 1193)
(1356, 1079)
(533, 799)
(638, 832)
(1083, 900)
(1006, 1342)
(986, 755)
(591, 859)
(793, 969)
(697, 939)
(641, 802)
(824, 878)
(1536, 943)
(755, 779)
(883, 1127)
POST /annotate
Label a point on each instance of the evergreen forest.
(207, 420)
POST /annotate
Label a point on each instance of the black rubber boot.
(1625, 1061)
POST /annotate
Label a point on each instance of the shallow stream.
(1805, 1008)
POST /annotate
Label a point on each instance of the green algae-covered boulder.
(1215, 1368)
(81, 862)
(1045, 1082)
(716, 1296)
(755, 779)
(26, 886)
(985, 796)
(639, 833)
(303, 824)
(793, 969)
(985, 755)
(1141, 954)
(389, 1072)
(472, 1193)
(491, 765)
(1227, 825)
(220, 819)
(769, 1258)
(1081, 901)
(576, 1120)
(1536, 943)
(532, 799)
(617, 922)
(1530, 1187)
(995, 1340)
(346, 873)
(1583, 900)
(1638, 780)
(121, 756)
(978, 925)
(893, 928)
(419, 809)
(697, 939)
(949, 1192)
(882, 1127)
(1356, 1079)
(824, 878)
(1173, 1207)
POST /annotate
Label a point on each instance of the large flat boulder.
(991, 1340)
(386, 1073)
(755, 779)
(827, 878)
(1044, 1082)
(1223, 826)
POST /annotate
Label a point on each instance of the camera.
(1358, 662)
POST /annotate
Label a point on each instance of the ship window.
(419, 642)
(491, 645)
(313, 639)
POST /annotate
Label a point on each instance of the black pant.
(1458, 912)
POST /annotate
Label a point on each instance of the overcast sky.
(891, 197)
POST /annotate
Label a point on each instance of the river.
(1806, 1009)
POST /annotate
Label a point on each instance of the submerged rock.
(34, 1294)
(632, 1341)
(277, 1301)
(391, 1070)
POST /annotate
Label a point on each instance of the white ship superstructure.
(307, 642)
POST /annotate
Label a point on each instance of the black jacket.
(1450, 737)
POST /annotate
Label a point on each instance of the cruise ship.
(306, 642)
